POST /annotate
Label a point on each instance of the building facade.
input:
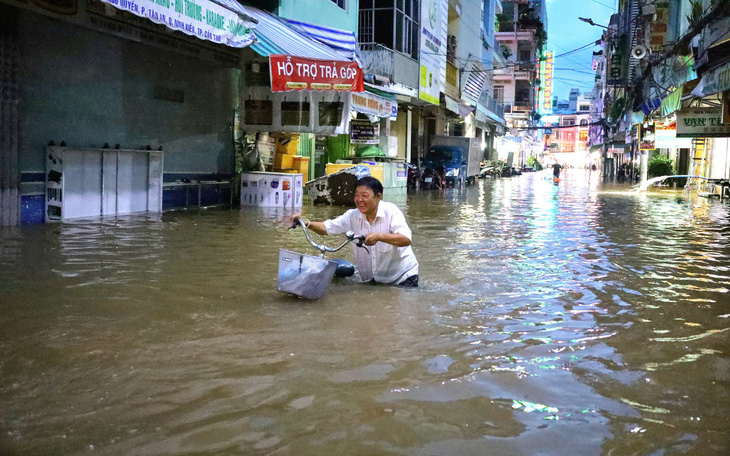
(522, 37)
(660, 84)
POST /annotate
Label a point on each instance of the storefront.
(143, 76)
(92, 76)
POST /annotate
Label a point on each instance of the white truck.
(459, 157)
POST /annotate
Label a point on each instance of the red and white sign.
(298, 73)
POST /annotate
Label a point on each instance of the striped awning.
(276, 36)
(341, 41)
(473, 83)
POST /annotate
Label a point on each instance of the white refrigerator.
(271, 189)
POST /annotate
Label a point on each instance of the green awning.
(672, 103)
(380, 93)
(595, 147)
(618, 145)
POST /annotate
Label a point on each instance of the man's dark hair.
(372, 183)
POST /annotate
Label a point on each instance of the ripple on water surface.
(545, 312)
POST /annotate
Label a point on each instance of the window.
(341, 3)
(499, 94)
(583, 122)
(523, 92)
(330, 114)
(393, 24)
(258, 112)
(295, 113)
(257, 74)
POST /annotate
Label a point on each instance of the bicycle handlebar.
(350, 236)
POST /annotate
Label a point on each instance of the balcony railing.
(397, 67)
(491, 104)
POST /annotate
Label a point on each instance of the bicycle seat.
(344, 268)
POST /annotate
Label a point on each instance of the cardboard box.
(301, 164)
(283, 161)
(287, 146)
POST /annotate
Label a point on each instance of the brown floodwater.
(571, 319)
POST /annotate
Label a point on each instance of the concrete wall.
(399, 128)
(324, 13)
(470, 39)
(88, 88)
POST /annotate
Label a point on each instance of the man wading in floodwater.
(391, 259)
(556, 170)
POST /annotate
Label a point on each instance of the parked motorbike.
(433, 178)
(488, 171)
(414, 177)
(308, 276)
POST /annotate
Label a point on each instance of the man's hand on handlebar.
(372, 238)
(317, 227)
(294, 221)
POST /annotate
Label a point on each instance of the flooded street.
(570, 319)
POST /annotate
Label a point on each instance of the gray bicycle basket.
(304, 275)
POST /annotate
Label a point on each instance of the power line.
(577, 71)
(612, 8)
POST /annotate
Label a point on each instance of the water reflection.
(555, 319)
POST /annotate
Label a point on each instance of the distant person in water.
(556, 170)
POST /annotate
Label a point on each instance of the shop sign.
(666, 138)
(364, 132)
(646, 137)
(200, 18)
(372, 105)
(297, 73)
(432, 80)
(401, 172)
(714, 81)
(547, 90)
(701, 123)
(616, 62)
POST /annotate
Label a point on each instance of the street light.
(590, 21)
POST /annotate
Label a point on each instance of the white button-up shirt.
(385, 263)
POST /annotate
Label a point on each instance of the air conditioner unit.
(648, 10)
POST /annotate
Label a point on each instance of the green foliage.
(533, 163)
(695, 12)
(659, 165)
(506, 51)
(540, 36)
(504, 23)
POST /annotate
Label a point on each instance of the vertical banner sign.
(298, 73)
(647, 137)
(547, 81)
(200, 18)
(617, 58)
(433, 50)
